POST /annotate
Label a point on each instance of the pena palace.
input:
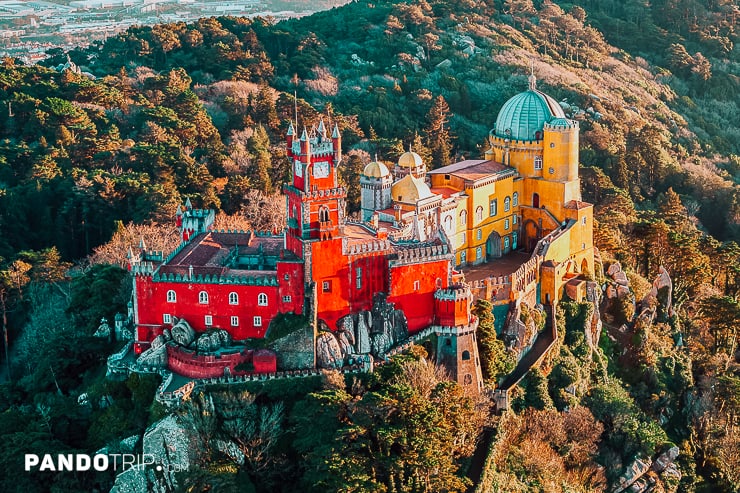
(510, 227)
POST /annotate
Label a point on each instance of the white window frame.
(358, 277)
(171, 296)
(167, 318)
(417, 285)
(326, 286)
(506, 223)
(233, 298)
(515, 199)
(287, 298)
(479, 234)
(479, 213)
(257, 321)
(463, 217)
(203, 298)
(262, 299)
(507, 204)
(479, 253)
(234, 321)
(209, 320)
(493, 207)
(538, 162)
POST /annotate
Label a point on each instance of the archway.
(493, 245)
(532, 234)
(584, 267)
(536, 200)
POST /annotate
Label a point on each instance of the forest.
(98, 147)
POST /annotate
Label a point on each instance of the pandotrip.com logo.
(98, 462)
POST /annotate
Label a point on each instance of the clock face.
(551, 170)
(321, 169)
(298, 168)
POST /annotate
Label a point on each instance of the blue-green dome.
(522, 116)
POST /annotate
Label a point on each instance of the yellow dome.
(409, 189)
(376, 169)
(410, 160)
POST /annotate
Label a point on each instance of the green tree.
(437, 133)
(496, 362)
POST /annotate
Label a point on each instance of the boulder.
(363, 344)
(665, 459)
(172, 446)
(328, 352)
(613, 269)
(182, 333)
(633, 473)
(154, 357)
(380, 345)
(621, 278)
(622, 291)
(211, 341)
(346, 341)
(104, 331)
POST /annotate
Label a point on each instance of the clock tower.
(315, 199)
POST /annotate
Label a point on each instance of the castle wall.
(417, 304)
(192, 365)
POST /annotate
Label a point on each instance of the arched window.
(262, 299)
(462, 257)
(506, 223)
(448, 224)
(466, 355)
(463, 217)
(507, 204)
(515, 199)
(324, 214)
(479, 253)
(506, 243)
(203, 298)
(171, 296)
(233, 299)
(479, 234)
(493, 207)
(479, 213)
(538, 162)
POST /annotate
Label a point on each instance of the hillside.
(133, 126)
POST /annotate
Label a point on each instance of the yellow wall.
(560, 152)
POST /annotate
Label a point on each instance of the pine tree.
(438, 138)
(495, 360)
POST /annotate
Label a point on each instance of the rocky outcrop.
(171, 445)
(364, 321)
(104, 331)
(295, 351)
(328, 353)
(661, 294)
(633, 473)
(155, 356)
(213, 340)
(665, 459)
(182, 333)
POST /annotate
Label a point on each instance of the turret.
(305, 146)
(336, 139)
(289, 140)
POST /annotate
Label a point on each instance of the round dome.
(560, 122)
(376, 169)
(410, 189)
(522, 116)
(410, 159)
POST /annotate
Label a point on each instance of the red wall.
(193, 365)
(152, 304)
(418, 305)
(329, 264)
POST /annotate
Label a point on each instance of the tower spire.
(532, 78)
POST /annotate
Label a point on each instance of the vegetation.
(89, 166)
